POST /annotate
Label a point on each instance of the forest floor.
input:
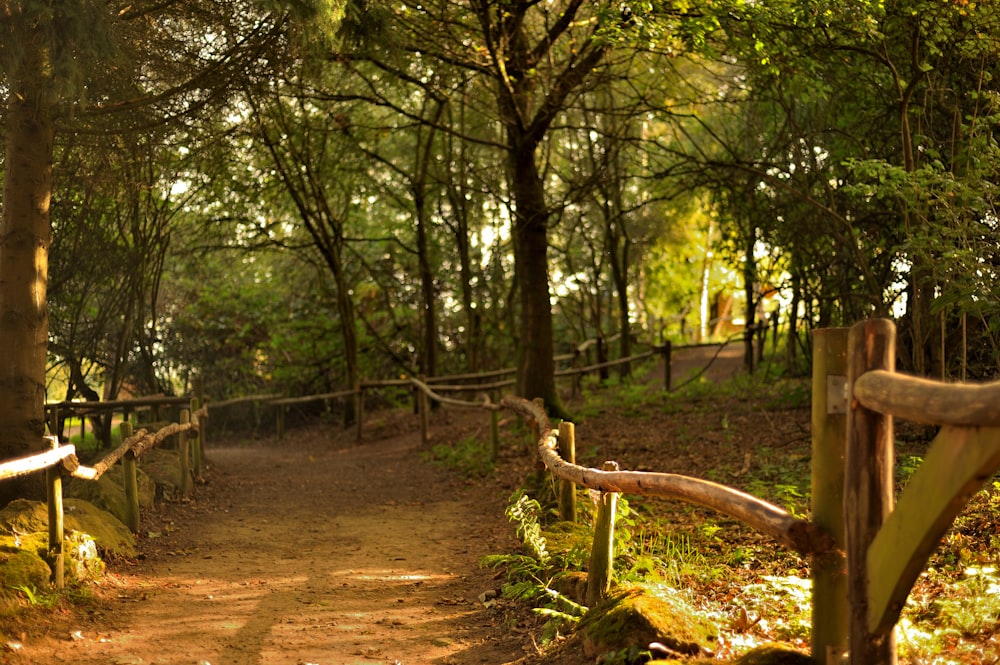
(316, 550)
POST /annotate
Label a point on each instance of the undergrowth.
(755, 591)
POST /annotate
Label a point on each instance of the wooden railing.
(857, 526)
(61, 460)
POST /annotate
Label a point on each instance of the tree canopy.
(293, 197)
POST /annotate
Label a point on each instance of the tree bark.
(536, 376)
(25, 236)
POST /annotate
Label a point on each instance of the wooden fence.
(61, 460)
(866, 548)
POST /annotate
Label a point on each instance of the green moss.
(108, 491)
(774, 654)
(111, 536)
(23, 568)
(636, 617)
(570, 542)
(164, 468)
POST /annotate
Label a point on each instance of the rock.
(111, 536)
(572, 584)
(108, 491)
(774, 654)
(634, 618)
(23, 568)
(164, 468)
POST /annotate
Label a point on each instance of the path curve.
(309, 553)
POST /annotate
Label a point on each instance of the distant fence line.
(276, 406)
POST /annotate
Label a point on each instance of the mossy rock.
(572, 584)
(562, 539)
(108, 491)
(23, 568)
(82, 561)
(164, 468)
(768, 654)
(111, 536)
(774, 654)
(636, 617)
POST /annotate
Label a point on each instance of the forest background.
(288, 197)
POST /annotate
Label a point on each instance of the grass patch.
(469, 456)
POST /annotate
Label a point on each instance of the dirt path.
(308, 553)
(315, 552)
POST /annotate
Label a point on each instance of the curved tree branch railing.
(62, 460)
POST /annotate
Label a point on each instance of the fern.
(525, 512)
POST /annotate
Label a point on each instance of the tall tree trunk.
(536, 376)
(25, 236)
(348, 323)
(428, 359)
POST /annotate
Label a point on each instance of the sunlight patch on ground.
(383, 575)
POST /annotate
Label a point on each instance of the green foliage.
(469, 456)
(34, 597)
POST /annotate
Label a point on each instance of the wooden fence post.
(197, 458)
(602, 553)
(423, 407)
(199, 393)
(868, 487)
(280, 419)
(667, 351)
(359, 407)
(53, 477)
(131, 482)
(494, 435)
(184, 454)
(567, 488)
(830, 612)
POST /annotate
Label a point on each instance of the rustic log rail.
(857, 524)
(59, 461)
(795, 533)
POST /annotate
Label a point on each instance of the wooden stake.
(868, 486)
(667, 370)
(602, 553)
(196, 454)
(423, 407)
(53, 477)
(494, 435)
(567, 488)
(131, 482)
(280, 417)
(830, 613)
(184, 454)
(359, 406)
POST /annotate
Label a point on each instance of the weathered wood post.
(667, 351)
(197, 456)
(280, 420)
(567, 488)
(830, 612)
(199, 393)
(53, 489)
(603, 551)
(54, 428)
(184, 454)
(868, 487)
(131, 482)
(423, 407)
(494, 434)
(359, 408)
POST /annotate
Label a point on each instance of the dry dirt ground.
(312, 550)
